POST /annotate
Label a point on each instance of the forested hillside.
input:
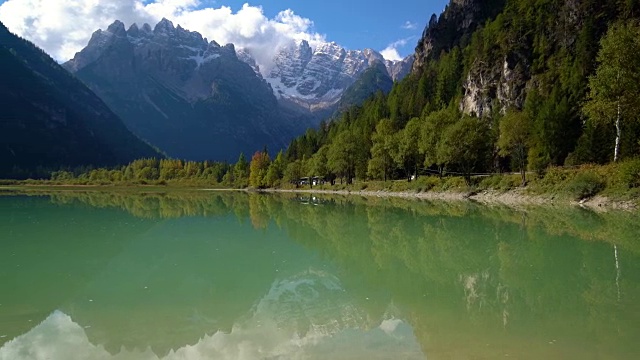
(49, 119)
(372, 80)
(496, 86)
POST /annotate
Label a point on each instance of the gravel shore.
(512, 198)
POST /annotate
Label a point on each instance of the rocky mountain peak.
(176, 47)
(303, 44)
(246, 58)
(117, 28)
(137, 35)
(330, 49)
(373, 55)
(134, 30)
(315, 77)
(115, 35)
(399, 69)
(302, 49)
(458, 21)
(192, 98)
(164, 27)
(231, 48)
(311, 76)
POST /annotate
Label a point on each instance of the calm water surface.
(238, 276)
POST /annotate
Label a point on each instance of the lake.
(223, 275)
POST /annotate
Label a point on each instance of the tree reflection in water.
(471, 281)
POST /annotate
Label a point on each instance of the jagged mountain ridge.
(315, 78)
(192, 98)
(198, 100)
(453, 28)
(50, 120)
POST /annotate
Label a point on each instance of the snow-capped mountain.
(190, 97)
(171, 53)
(399, 69)
(316, 77)
(196, 99)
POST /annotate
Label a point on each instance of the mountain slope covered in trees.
(374, 79)
(502, 85)
(49, 119)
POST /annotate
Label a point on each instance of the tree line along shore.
(618, 182)
(573, 133)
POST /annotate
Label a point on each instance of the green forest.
(573, 98)
(537, 88)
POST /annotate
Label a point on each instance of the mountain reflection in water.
(271, 331)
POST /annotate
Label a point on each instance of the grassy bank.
(613, 183)
(605, 185)
(119, 185)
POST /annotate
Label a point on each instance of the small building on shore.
(313, 181)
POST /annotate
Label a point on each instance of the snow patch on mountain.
(316, 75)
(312, 75)
(201, 59)
(187, 45)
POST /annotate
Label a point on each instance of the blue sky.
(63, 27)
(358, 24)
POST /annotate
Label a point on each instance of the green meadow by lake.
(223, 275)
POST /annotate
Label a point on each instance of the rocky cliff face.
(190, 97)
(493, 88)
(499, 82)
(316, 78)
(398, 70)
(502, 78)
(453, 28)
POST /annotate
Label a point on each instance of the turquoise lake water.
(89, 275)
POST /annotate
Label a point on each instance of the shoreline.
(512, 198)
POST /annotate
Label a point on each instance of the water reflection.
(222, 275)
(271, 330)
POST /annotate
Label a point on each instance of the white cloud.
(63, 27)
(410, 25)
(249, 29)
(391, 51)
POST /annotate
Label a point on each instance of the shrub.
(554, 176)
(500, 182)
(584, 185)
(629, 173)
(402, 185)
(489, 182)
(454, 182)
(427, 183)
